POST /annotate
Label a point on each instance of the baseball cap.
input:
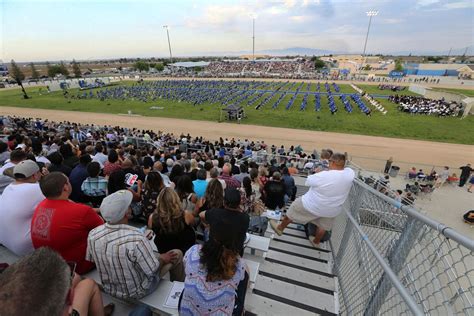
(25, 169)
(232, 196)
(115, 206)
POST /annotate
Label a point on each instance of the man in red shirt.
(61, 224)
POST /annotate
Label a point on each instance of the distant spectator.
(214, 174)
(112, 164)
(226, 176)
(70, 159)
(465, 173)
(243, 173)
(200, 184)
(151, 189)
(6, 171)
(94, 187)
(77, 177)
(57, 164)
(289, 182)
(274, 192)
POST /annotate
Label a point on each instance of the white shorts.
(298, 214)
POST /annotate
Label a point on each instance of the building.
(466, 71)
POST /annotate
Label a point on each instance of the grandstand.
(382, 258)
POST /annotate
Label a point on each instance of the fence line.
(392, 259)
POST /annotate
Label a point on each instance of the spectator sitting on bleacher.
(6, 171)
(127, 264)
(4, 153)
(57, 164)
(216, 276)
(214, 174)
(243, 173)
(61, 224)
(18, 203)
(172, 224)
(42, 283)
(274, 192)
(94, 187)
(323, 201)
(289, 182)
(200, 184)
(226, 176)
(150, 192)
(77, 177)
(112, 164)
(230, 215)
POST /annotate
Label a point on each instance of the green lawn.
(467, 93)
(394, 124)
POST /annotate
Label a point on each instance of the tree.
(76, 69)
(34, 72)
(318, 63)
(141, 66)
(367, 67)
(63, 70)
(49, 69)
(159, 66)
(398, 65)
(18, 76)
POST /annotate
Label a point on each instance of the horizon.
(47, 30)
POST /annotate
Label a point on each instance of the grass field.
(394, 124)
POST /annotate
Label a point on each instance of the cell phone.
(72, 267)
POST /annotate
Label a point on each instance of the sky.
(89, 29)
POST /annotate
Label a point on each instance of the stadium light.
(253, 16)
(370, 14)
(169, 43)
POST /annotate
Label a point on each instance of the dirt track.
(377, 148)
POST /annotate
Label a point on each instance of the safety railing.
(391, 259)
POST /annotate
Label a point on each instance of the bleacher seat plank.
(306, 263)
(295, 240)
(155, 300)
(299, 275)
(253, 269)
(295, 295)
(259, 243)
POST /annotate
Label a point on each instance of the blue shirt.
(200, 187)
(77, 176)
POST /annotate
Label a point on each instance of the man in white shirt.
(17, 204)
(323, 202)
(6, 176)
(100, 157)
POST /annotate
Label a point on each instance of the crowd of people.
(391, 87)
(77, 197)
(420, 105)
(262, 68)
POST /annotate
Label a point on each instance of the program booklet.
(173, 296)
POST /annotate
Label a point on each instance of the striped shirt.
(124, 258)
(94, 186)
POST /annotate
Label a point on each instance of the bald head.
(226, 169)
(158, 166)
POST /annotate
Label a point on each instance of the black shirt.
(226, 221)
(274, 194)
(182, 240)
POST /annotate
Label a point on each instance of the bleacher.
(288, 276)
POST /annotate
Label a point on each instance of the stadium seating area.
(273, 68)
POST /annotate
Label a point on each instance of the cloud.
(391, 21)
(300, 18)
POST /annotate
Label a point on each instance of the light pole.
(253, 16)
(169, 43)
(370, 14)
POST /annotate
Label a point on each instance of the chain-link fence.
(392, 260)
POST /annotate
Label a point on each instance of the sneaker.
(311, 240)
(274, 225)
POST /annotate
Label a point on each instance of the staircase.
(293, 277)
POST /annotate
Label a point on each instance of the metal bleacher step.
(288, 248)
(295, 294)
(264, 306)
(325, 282)
(298, 261)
